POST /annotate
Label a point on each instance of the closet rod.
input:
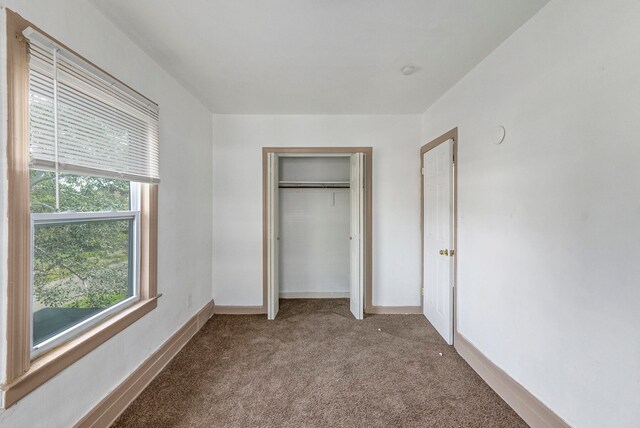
(314, 186)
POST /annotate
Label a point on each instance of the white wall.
(319, 169)
(237, 192)
(314, 240)
(185, 207)
(549, 236)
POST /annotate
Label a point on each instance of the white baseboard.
(533, 411)
(314, 295)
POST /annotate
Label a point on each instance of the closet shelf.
(313, 184)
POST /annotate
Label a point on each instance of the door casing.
(368, 208)
(450, 135)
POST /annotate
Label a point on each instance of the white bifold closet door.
(438, 238)
(357, 236)
(273, 281)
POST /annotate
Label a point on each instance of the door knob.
(444, 252)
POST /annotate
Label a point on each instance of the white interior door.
(438, 238)
(273, 278)
(356, 287)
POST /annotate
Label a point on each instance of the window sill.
(58, 359)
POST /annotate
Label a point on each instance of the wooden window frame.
(23, 375)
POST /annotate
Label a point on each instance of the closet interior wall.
(314, 227)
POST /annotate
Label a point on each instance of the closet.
(315, 226)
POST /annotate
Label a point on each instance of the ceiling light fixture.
(408, 69)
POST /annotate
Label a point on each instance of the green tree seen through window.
(84, 264)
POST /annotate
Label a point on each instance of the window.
(84, 255)
(83, 148)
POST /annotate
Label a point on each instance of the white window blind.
(83, 121)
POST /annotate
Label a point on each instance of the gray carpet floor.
(316, 366)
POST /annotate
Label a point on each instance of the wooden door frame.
(450, 135)
(368, 210)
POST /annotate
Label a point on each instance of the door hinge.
(422, 170)
(422, 291)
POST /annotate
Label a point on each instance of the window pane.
(78, 193)
(79, 270)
